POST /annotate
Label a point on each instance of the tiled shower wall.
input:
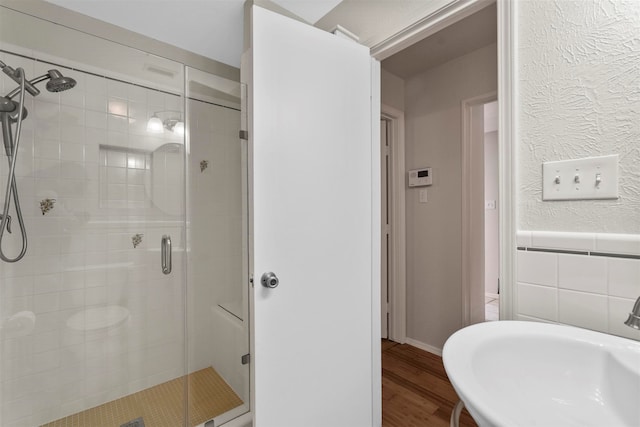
(81, 253)
(590, 280)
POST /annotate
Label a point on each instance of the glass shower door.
(92, 329)
(217, 289)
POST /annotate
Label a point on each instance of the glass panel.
(87, 316)
(218, 324)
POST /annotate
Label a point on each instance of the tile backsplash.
(590, 280)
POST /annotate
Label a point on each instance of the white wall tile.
(96, 85)
(118, 139)
(70, 133)
(95, 136)
(624, 277)
(583, 309)
(538, 268)
(74, 98)
(619, 309)
(117, 106)
(44, 303)
(17, 287)
(47, 168)
(95, 119)
(46, 283)
(96, 102)
(118, 123)
(72, 299)
(46, 341)
(563, 240)
(72, 280)
(583, 273)
(96, 296)
(137, 94)
(618, 243)
(71, 116)
(538, 301)
(47, 149)
(71, 152)
(117, 89)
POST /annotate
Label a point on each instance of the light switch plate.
(423, 196)
(581, 179)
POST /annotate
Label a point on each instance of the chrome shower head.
(57, 82)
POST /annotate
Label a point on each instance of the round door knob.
(269, 280)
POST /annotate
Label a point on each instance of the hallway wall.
(433, 139)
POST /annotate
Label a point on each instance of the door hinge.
(251, 281)
(246, 359)
(244, 134)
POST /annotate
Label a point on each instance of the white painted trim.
(376, 214)
(471, 242)
(398, 270)
(507, 153)
(426, 347)
(490, 295)
(447, 15)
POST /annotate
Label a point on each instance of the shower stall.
(129, 304)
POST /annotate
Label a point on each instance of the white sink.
(534, 374)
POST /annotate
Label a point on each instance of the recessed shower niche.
(132, 292)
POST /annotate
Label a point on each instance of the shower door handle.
(165, 254)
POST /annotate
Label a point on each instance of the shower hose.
(11, 146)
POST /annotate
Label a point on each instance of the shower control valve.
(269, 280)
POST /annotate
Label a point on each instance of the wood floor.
(415, 389)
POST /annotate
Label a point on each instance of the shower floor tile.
(162, 405)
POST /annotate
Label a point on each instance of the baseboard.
(422, 346)
(490, 295)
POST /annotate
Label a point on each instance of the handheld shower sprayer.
(11, 72)
(12, 112)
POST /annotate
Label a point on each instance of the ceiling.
(211, 28)
(214, 28)
(465, 36)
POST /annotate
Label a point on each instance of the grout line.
(585, 253)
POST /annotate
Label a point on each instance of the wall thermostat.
(420, 177)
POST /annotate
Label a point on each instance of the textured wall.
(579, 96)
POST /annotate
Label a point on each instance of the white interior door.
(315, 224)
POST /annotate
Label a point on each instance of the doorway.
(480, 194)
(393, 258)
(491, 217)
(428, 81)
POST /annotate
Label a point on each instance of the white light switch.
(581, 179)
(423, 196)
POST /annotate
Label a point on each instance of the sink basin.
(512, 373)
